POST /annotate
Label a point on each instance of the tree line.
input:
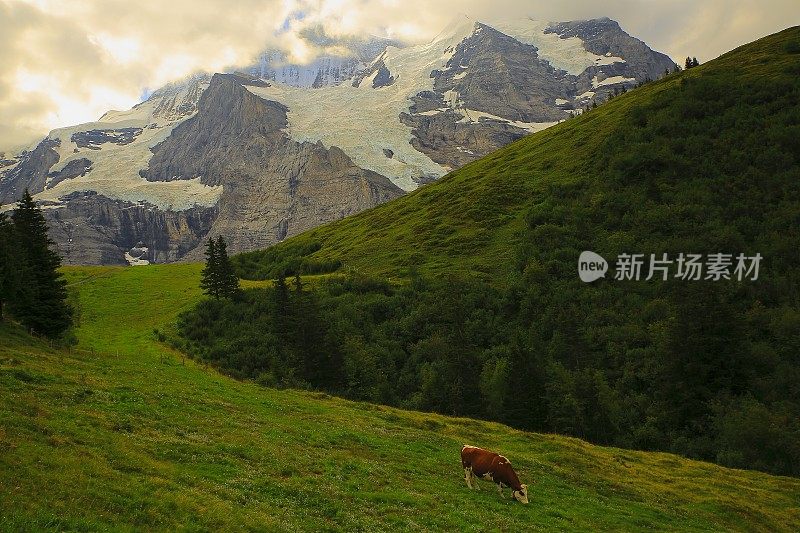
(32, 290)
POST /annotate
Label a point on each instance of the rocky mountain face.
(92, 229)
(274, 149)
(273, 186)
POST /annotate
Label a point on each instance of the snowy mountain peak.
(275, 148)
(460, 26)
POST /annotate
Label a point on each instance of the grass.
(472, 220)
(122, 434)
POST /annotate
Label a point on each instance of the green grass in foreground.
(128, 437)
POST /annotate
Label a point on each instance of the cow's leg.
(500, 490)
(468, 476)
(475, 481)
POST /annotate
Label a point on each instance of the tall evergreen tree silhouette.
(40, 298)
(218, 278)
(210, 275)
(228, 280)
(9, 266)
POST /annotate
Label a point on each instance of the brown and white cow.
(490, 466)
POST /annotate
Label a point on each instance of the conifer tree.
(298, 283)
(281, 292)
(8, 262)
(209, 277)
(281, 308)
(228, 280)
(40, 298)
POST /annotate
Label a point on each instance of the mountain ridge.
(413, 114)
(481, 206)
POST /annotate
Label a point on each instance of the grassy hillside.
(719, 119)
(705, 161)
(122, 434)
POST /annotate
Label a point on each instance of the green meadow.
(122, 433)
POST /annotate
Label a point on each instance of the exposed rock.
(138, 255)
(273, 187)
(93, 138)
(91, 229)
(244, 78)
(454, 144)
(605, 37)
(497, 74)
(381, 77)
(427, 101)
(30, 173)
(73, 169)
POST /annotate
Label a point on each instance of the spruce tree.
(40, 296)
(298, 283)
(9, 266)
(209, 277)
(228, 280)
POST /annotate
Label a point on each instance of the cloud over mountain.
(68, 62)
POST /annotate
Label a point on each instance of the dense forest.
(708, 369)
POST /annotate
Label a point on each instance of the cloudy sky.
(68, 61)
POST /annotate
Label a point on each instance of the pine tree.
(40, 298)
(9, 262)
(281, 292)
(298, 283)
(209, 277)
(228, 280)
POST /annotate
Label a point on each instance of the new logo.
(591, 267)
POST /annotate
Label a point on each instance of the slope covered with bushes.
(706, 161)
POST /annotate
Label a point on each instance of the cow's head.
(521, 495)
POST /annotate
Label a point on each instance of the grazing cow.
(490, 466)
